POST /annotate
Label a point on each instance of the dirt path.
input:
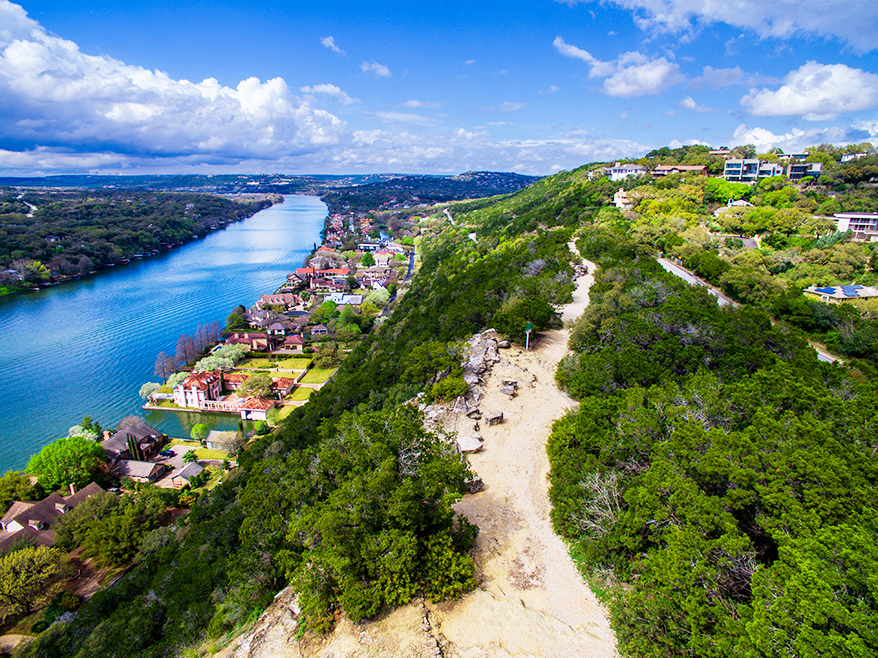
(531, 601)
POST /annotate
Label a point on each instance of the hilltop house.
(839, 294)
(864, 225)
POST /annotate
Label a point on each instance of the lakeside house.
(198, 388)
(137, 470)
(147, 439)
(33, 520)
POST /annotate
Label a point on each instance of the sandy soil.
(531, 601)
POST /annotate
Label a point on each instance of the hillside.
(684, 478)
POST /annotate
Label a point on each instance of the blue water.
(85, 348)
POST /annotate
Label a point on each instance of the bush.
(448, 389)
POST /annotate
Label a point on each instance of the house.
(847, 157)
(255, 408)
(33, 520)
(277, 328)
(664, 170)
(184, 476)
(621, 201)
(864, 225)
(137, 470)
(328, 285)
(341, 299)
(217, 440)
(294, 343)
(279, 299)
(798, 170)
(257, 342)
(622, 171)
(148, 440)
(282, 386)
(198, 388)
(382, 258)
(839, 294)
(319, 330)
(232, 381)
(368, 246)
(749, 170)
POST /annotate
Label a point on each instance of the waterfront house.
(257, 342)
(255, 408)
(286, 300)
(198, 388)
(148, 440)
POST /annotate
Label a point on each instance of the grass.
(201, 453)
(299, 393)
(284, 412)
(294, 364)
(318, 375)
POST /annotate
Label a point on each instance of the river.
(84, 348)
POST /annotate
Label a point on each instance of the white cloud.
(690, 104)
(817, 92)
(330, 90)
(598, 68)
(630, 74)
(506, 106)
(469, 61)
(643, 78)
(854, 21)
(376, 69)
(422, 104)
(408, 117)
(797, 140)
(717, 78)
(329, 42)
(52, 95)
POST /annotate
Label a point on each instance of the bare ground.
(531, 600)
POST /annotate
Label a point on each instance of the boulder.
(508, 390)
(469, 444)
(493, 417)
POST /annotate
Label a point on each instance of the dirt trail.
(531, 601)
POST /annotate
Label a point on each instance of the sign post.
(527, 329)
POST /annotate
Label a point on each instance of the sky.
(437, 88)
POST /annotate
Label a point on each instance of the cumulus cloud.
(690, 104)
(797, 140)
(52, 95)
(376, 69)
(854, 21)
(329, 42)
(717, 78)
(422, 104)
(330, 90)
(630, 74)
(816, 92)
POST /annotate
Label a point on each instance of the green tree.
(14, 486)
(256, 386)
(190, 456)
(368, 260)
(69, 460)
(147, 390)
(27, 575)
(199, 432)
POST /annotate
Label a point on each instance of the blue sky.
(444, 87)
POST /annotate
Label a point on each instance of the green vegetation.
(78, 231)
(293, 364)
(14, 486)
(26, 576)
(299, 394)
(317, 375)
(69, 460)
(688, 479)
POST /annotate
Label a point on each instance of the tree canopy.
(69, 460)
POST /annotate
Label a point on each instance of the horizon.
(355, 89)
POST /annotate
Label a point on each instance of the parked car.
(167, 453)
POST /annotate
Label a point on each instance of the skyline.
(217, 87)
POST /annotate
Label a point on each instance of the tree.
(199, 432)
(368, 260)
(147, 390)
(164, 366)
(186, 349)
(15, 485)
(26, 575)
(70, 460)
(190, 456)
(256, 386)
